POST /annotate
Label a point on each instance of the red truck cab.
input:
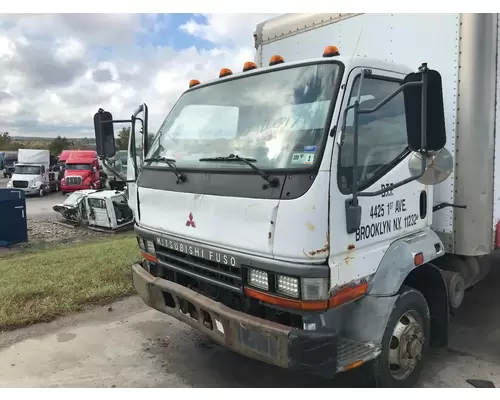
(82, 171)
(63, 157)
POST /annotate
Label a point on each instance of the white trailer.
(33, 174)
(326, 208)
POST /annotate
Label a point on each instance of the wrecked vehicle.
(101, 210)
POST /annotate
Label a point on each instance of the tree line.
(60, 143)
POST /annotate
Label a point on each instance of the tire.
(56, 187)
(41, 192)
(410, 322)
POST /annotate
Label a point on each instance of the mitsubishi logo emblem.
(190, 221)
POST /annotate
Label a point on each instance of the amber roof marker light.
(276, 59)
(331, 51)
(249, 65)
(193, 82)
(225, 72)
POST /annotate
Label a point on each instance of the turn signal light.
(248, 66)
(331, 51)
(193, 82)
(225, 72)
(276, 59)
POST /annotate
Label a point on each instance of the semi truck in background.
(82, 171)
(10, 159)
(334, 199)
(33, 174)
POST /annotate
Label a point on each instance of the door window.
(382, 140)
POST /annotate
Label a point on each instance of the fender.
(398, 261)
(367, 318)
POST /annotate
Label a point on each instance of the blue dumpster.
(13, 223)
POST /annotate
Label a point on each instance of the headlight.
(314, 288)
(9, 184)
(147, 246)
(258, 278)
(150, 247)
(287, 285)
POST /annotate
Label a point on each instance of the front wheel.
(405, 342)
(41, 192)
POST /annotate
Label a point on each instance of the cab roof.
(348, 61)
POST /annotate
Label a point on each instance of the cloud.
(57, 70)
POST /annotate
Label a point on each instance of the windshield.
(277, 118)
(122, 156)
(27, 170)
(73, 199)
(80, 167)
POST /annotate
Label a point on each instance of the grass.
(40, 286)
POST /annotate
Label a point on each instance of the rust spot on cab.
(324, 249)
(269, 235)
(310, 226)
(351, 247)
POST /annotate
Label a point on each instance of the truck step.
(351, 352)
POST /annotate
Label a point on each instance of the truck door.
(382, 160)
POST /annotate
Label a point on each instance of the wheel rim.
(406, 345)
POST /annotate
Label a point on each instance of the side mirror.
(438, 166)
(432, 136)
(104, 134)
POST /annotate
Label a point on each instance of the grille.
(218, 281)
(20, 184)
(73, 180)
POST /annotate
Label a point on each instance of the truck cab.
(82, 171)
(33, 173)
(273, 202)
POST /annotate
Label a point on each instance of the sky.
(57, 70)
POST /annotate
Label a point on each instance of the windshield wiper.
(171, 163)
(271, 181)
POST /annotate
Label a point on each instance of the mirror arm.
(132, 143)
(117, 121)
(113, 170)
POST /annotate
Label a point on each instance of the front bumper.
(27, 191)
(318, 352)
(74, 188)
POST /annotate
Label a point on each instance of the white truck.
(33, 173)
(327, 207)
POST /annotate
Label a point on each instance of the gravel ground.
(49, 228)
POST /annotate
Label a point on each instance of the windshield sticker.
(310, 149)
(302, 158)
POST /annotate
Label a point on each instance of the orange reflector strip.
(343, 296)
(347, 294)
(276, 59)
(248, 66)
(225, 72)
(286, 303)
(193, 82)
(353, 365)
(418, 259)
(331, 51)
(149, 257)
